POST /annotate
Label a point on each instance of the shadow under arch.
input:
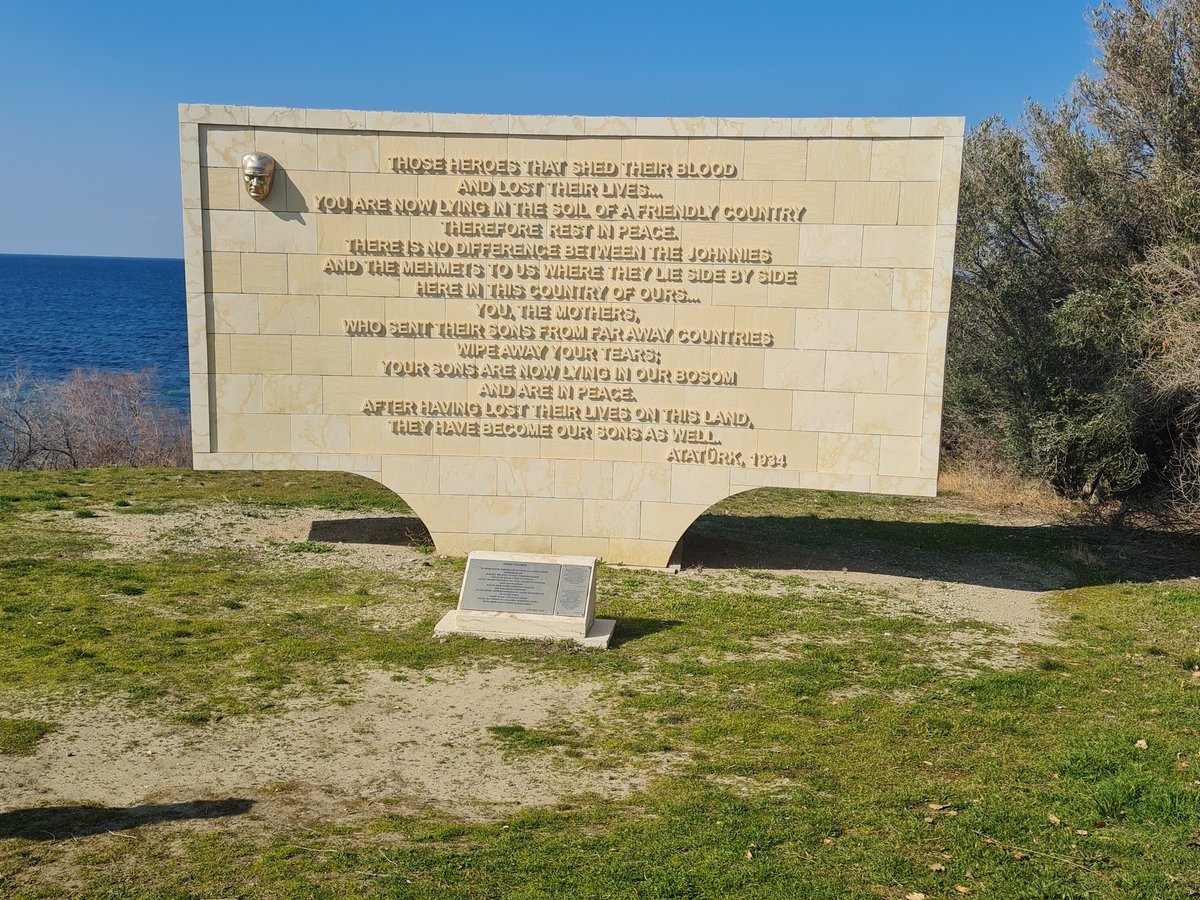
(791, 529)
(394, 531)
(404, 528)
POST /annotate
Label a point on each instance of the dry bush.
(1172, 276)
(988, 486)
(1183, 472)
(90, 418)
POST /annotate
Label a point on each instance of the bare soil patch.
(356, 538)
(1000, 592)
(388, 745)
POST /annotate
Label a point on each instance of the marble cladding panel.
(320, 339)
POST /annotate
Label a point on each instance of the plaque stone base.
(507, 625)
(529, 595)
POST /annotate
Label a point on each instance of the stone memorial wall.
(570, 334)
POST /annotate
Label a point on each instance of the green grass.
(19, 737)
(173, 630)
(308, 547)
(820, 745)
(519, 739)
(137, 490)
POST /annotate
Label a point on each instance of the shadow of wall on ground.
(1019, 557)
(57, 823)
(1035, 558)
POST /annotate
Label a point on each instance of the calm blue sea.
(59, 313)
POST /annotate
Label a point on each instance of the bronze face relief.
(258, 172)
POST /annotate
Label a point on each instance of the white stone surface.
(599, 635)
(822, 284)
(531, 595)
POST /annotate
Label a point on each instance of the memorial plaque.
(527, 595)
(510, 585)
(569, 334)
(574, 585)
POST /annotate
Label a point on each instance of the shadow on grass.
(396, 531)
(57, 823)
(1034, 558)
(630, 628)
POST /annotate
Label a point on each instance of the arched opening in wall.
(361, 510)
(321, 506)
(948, 553)
(789, 529)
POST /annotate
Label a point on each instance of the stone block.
(315, 355)
(818, 128)
(774, 160)
(856, 372)
(839, 160)
(263, 273)
(320, 433)
(918, 203)
(794, 370)
(916, 159)
(823, 411)
(906, 373)
(250, 433)
(465, 475)
(583, 478)
(833, 245)
(893, 331)
(872, 127)
(811, 290)
(305, 188)
(899, 246)
(291, 394)
(854, 289)
(224, 147)
(854, 454)
(912, 289)
(220, 188)
(234, 314)
(260, 354)
(900, 456)
(866, 203)
(296, 314)
(815, 198)
(238, 393)
(496, 515)
(524, 543)
(611, 518)
(554, 516)
(348, 152)
(228, 231)
(284, 233)
(888, 414)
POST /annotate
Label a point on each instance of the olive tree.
(1075, 335)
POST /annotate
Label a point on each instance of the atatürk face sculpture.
(258, 171)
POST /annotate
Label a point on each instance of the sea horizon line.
(178, 259)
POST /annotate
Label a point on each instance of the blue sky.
(88, 91)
